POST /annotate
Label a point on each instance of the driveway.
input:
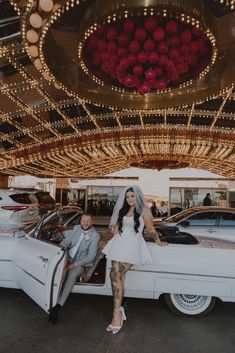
(150, 327)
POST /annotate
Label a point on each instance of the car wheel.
(190, 304)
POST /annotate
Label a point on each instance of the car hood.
(165, 224)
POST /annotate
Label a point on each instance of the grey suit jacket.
(88, 247)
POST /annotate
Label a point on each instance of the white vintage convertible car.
(191, 274)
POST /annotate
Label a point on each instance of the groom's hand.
(70, 266)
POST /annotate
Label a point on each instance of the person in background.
(154, 209)
(82, 246)
(207, 200)
(163, 210)
(127, 246)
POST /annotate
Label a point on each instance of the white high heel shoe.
(116, 329)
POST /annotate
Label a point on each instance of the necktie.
(79, 243)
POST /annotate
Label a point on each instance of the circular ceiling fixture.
(147, 54)
(129, 55)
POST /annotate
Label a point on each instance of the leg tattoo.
(117, 276)
(115, 287)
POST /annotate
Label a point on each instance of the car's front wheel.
(190, 305)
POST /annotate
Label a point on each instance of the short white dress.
(129, 246)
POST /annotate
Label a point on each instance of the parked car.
(17, 208)
(206, 222)
(191, 277)
(43, 200)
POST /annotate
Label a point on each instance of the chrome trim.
(182, 274)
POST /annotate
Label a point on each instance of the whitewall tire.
(189, 304)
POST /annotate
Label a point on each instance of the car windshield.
(52, 217)
(66, 216)
(179, 216)
(29, 227)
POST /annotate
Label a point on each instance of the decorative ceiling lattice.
(61, 118)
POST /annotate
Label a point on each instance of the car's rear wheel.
(190, 304)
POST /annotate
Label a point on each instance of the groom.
(82, 245)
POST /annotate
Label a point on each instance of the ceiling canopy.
(91, 87)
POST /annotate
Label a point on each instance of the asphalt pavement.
(150, 327)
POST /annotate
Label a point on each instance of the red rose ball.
(150, 24)
(140, 34)
(162, 60)
(112, 47)
(158, 34)
(101, 44)
(163, 48)
(128, 25)
(123, 39)
(174, 40)
(132, 59)
(138, 70)
(123, 64)
(158, 71)
(153, 57)
(174, 53)
(149, 45)
(150, 74)
(111, 33)
(142, 57)
(186, 36)
(130, 81)
(122, 51)
(171, 27)
(161, 84)
(144, 89)
(134, 46)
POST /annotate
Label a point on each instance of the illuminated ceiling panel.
(57, 119)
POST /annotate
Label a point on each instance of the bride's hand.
(161, 243)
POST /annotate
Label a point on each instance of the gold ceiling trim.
(104, 155)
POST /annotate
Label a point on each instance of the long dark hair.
(124, 210)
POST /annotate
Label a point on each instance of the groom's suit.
(82, 249)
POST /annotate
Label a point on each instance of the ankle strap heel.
(121, 309)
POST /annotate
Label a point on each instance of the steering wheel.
(53, 234)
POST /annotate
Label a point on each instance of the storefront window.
(72, 197)
(101, 199)
(184, 198)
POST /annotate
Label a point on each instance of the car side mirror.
(185, 223)
(19, 234)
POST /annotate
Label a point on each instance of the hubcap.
(190, 302)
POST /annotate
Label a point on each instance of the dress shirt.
(74, 249)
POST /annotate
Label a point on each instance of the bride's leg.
(117, 275)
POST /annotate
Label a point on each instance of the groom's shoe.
(53, 315)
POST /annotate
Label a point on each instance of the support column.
(61, 183)
(3, 181)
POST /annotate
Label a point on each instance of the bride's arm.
(154, 234)
(115, 230)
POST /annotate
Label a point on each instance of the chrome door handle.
(211, 230)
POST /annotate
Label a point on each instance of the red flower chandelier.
(147, 54)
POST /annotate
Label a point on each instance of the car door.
(37, 268)
(203, 224)
(226, 229)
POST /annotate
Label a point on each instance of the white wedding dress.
(129, 246)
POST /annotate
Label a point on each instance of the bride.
(127, 246)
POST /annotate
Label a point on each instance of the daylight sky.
(155, 182)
